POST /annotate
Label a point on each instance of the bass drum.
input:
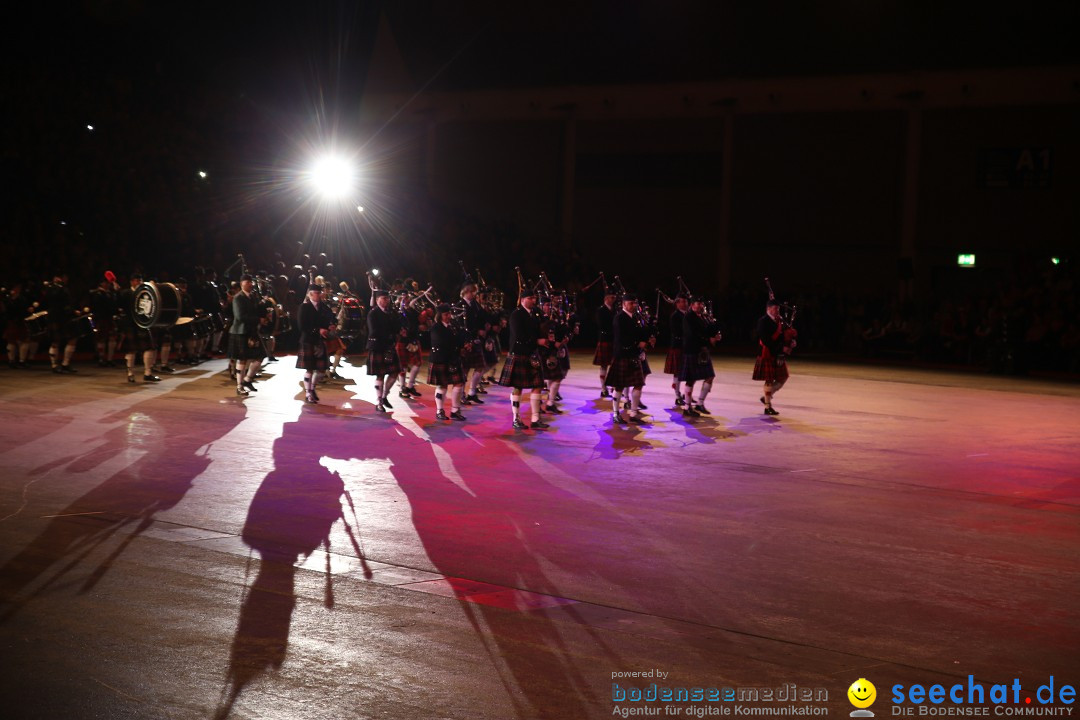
(184, 329)
(353, 320)
(38, 323)
(155, 304)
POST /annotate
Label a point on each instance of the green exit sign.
(966, 259)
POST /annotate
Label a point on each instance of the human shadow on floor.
(172, 452)
(290, 517)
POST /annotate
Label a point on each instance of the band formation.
(400, 326)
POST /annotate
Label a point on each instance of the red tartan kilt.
(444, 375)
(624, 373)
(407, 359)
(471, 356)
(768, 369)
(603, 354)
(520, 372)
(334, 345)
(383, 363)
(673, 362)
(313, 356)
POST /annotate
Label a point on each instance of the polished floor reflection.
(174, 550)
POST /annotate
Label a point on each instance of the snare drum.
(284, 324)
(217, 322)
(81, 326)
(38, 323)
(184, 329)
(203, 326)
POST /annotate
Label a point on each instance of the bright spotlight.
(375, 272)
(202, 174)
(360, 208)
(332, 176)
(90, 128)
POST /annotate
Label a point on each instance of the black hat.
(772, 302)
(629, 296)
(314, 286)
(380, 293)
(137, 275)
(682, 296)
(609, 290)
(696, 299)
(527, 293)
(442, 308)
(247, 276)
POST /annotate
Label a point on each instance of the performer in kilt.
(629, 341)
(523, 368)
(445, 372)
(410, 355)
(136, 340)
(103, 304)
(554, 355)
(673, 362)
(771, 365)
(605, 316)
(245, 347)
(316, 322)
(698, 336)
(61, 308)
(472, 356)
(384, 326)
(18, 305)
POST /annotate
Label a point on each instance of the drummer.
(61, 308)
(16, 334)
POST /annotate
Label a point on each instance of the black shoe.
(518, 425)
(689, 411)
(242, 391)
(386, 404)
(474, 398)
(701, 409)
(314, 394)
(311, 398)
(762, 399)
(131, 378)
(404, 395)
(167, 369)
(250, 386)
(642, 405)
(617, 419)
(415, 392)
(558, 397)
(679, 402)
(271, 359)
(604, 394)
(441, 415)
(379, 408)
(480, 390)
(770, 411)
(56, 369)
(540, 425)
(553, 410)
(456, 415)
(147, 378)
(467, 401)
(636, 420)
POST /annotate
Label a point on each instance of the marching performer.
(771, 365)
(103, 305)
(445, 372)
(384, 326)
(136, 340)
(523, 368)
(410, 356)
(699, 332)
(16, 335)
(472, 356)
(605, 316)
(629, 341)
(556, 358)
(60, 306)
(245, 347)
(673, 363)
(316, 323)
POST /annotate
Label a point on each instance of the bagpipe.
(787, 320)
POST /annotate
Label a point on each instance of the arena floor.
(175, 551)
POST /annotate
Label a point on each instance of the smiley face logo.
(862, 693)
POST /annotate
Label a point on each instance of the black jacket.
(311, 319)
(524, 331)
(677, 329)
(245, 315)
(771, 334)
(383, 329)
(446, 344)
(697, 332)
(604, 319)
(627, 333)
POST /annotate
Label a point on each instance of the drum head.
(155, 305)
